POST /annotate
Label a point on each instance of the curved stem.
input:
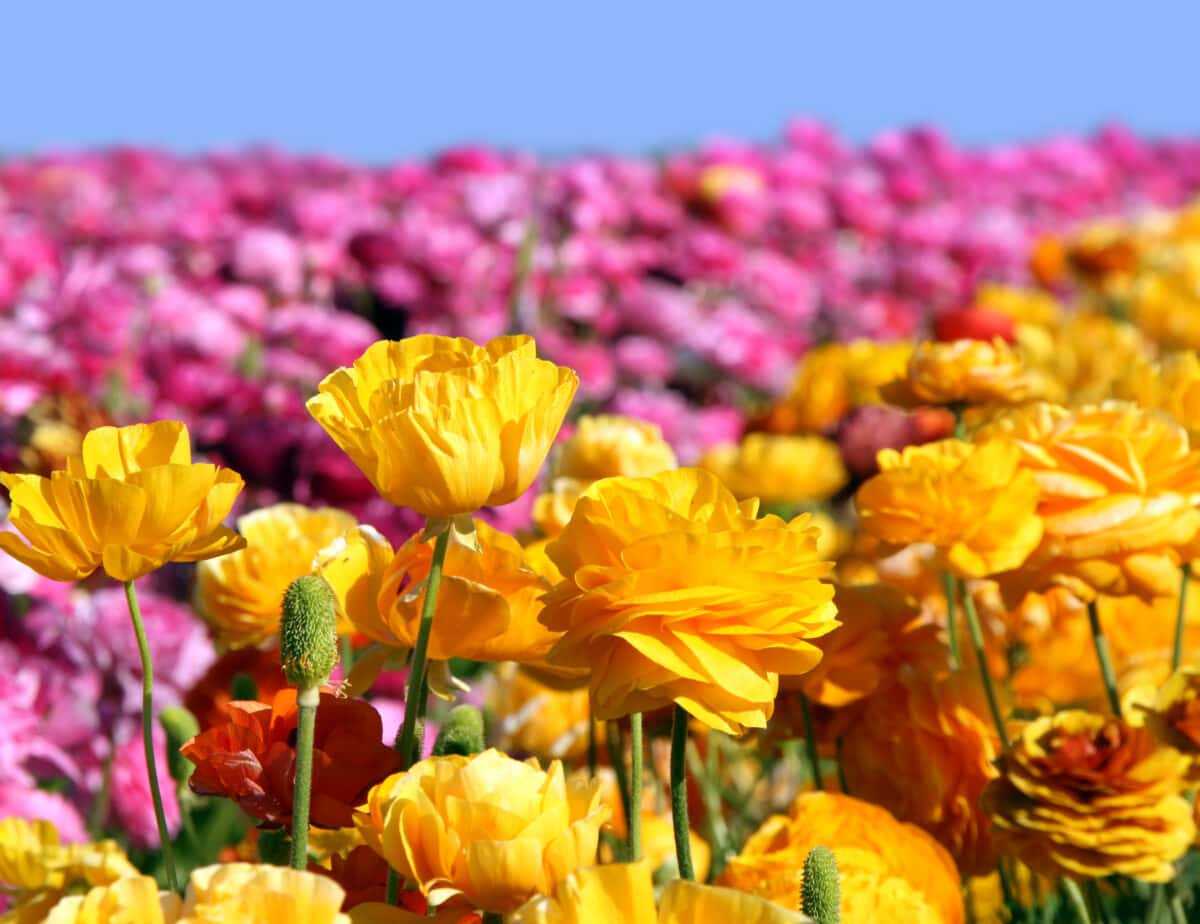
(1185, 576)
(1075, 897)
(307, 700)
(1102, 655)
(948, 583)
(160, 816)
(810, 743)
(1175, 904)
(679, 803)
(636, 772)
(985, 675)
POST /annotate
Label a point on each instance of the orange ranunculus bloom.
(1117, 491)
(210, 698)
(969, 500)
(1086, 795)
(240, 595)
(251, 759)
(131, 501)
(674, 591)
(779, 469)
(863, 837)
(922, 747)
(961, 372)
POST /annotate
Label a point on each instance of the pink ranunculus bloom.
(132, 805)
(19, 800)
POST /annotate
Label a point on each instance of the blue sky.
(374, 80)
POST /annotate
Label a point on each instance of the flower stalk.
(636, 774)
(1102, 655)
(810, 743)
(306, 702)
(1185, 577)
(985, 676)
(679, 803)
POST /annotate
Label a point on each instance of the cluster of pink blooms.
(218, 290)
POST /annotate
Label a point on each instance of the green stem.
(1185, 576)
(160, 816)
(1175, 904)
(1075, 898)
(616, 757)
(948, 583)
(985, 676)
(99, 809)
(636, 774)
(1102, 655)
(493, 917)
(810, 743)
(307, 700)
(717, 829)
(1158, 901)
(347, 656)
(679, 803)
(841, 767)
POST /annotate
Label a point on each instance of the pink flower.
(18, 800)
(132, 804)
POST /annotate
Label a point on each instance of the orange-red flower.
(209, 699)
(252, 759)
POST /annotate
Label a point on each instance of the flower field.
(770, 533)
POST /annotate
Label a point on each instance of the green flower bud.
(822, 895)
(462, 733)
(181, 727)
(308, 642)
(274, 846)
(244, 687)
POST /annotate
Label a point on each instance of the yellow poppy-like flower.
(538, 720)
(240, 595)
(961, 372)
(1171, 385)
(1024, 306)
(779, 469)
(1086, 795)
(487, 830)
(257, 893)
(136, 899)
(131, 501)
(624, 892)
(1117, 488)
(971, 501)
(1172, 714)
(872, 849)
(37, 870)
(601, 447)
(1087, 354)
(922, 747)
(444, 426)
(1163, 300)
(674, 592)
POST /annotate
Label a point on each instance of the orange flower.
(1086, 795)
(922, 747)
(1117, 491)
(961, 372)
(252, 759)
(210, 698)
(362, 873)
(1173, 716)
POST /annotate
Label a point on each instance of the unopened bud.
(181, 727)
(308, 643)
(461, 733)
(822, 894)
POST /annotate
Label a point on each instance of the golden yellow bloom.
(873, 894)
(37, 870)
(1171, 385)
(970, 500)
(537, 720)
(1087, 353)
(1163, 299)
(600, 447)
(488, 829)
(256, 893)
(675, 592)
(961, 372)
(922, 747)
(1117, 491)
(240, 595)
(779, 469)
(135, 900)
(1086, 795)
(131, 501)
(444, 426)
(624, 892)
(1025, 306)
(1173, 716)
(863, 838)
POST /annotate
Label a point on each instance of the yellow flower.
(535, 719)
(1025, 306)
(1171, 385)
(623, 892)
(130, 502)
(444, 426)
(673, 592)
(136, 900)
(1173, 716)
(487, 830)
(256, 893)
(779, 469)
(1086, 795)
(240, 595)
(37, 870)
(600, 447)
(1163, 299)
(1117, 491)
(961, 372)
(970, 500)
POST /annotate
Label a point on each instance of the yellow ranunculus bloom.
(961, 372)
(623, 892)
(1172, 713)
(872, 893)
(257, 893)
(1171, 385)
(674, 592)
(779, 469)
(537, 720)
(444, 426)
(970, 500)
(1086, 795)
(486, 830)
(1117, 485)
(240, 595)
(135, 900)
(131, 501)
